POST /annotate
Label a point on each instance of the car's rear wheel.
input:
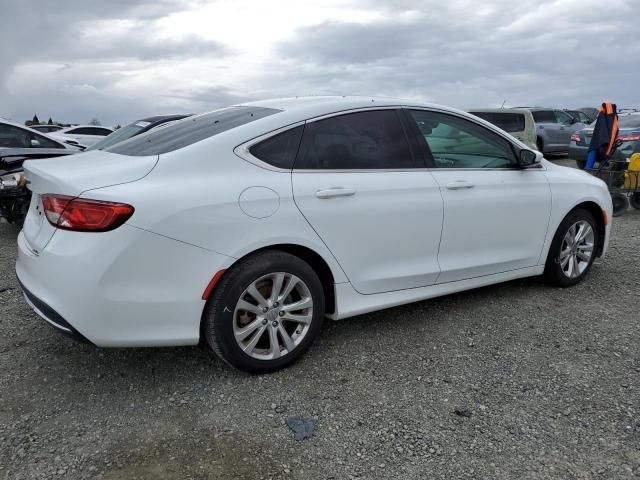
(573, 249)
(265, 312)
(540, 144)
(635, 200)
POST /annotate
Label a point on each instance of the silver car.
(554, 129)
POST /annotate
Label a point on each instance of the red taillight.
(632, 137)
(575, 137)
(83, 215)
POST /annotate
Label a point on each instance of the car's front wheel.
(265, 312)
(573, 249)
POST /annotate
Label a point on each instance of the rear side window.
(509, 122)
(279, 150)
(363, 140)
(544, 116)
(189, 131)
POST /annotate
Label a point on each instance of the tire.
(225, 322)
(569, 269)
(620, 204)
(540, 144)
(635, 200)
(581, 164)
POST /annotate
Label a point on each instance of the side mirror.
(526, 158)
(35, 143)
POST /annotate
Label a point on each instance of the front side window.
(14, 137)
(563, 117)
(355, 141)
(189, 131)
(279, 150)
(459, 143)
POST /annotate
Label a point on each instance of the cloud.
(120, 60)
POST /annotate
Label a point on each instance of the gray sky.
(120, 60)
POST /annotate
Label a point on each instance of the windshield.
(189, 131)
(119, 135)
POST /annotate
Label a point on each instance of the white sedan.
(81, 135)
(248, 225)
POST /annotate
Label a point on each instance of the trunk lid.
(72, 176)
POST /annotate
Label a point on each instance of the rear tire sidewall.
(553, 271)
(635, 200)
(219, 312)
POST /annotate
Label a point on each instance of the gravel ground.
(517, 380)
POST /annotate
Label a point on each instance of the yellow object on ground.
(632, 175)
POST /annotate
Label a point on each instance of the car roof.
(500, 110)
(304, 108)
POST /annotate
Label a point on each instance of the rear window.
(509, 122)
(629, 121)
(189, 131)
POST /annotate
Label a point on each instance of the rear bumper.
(125, 288)
(50, 316)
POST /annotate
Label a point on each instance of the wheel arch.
(314, 259)
(596, 210)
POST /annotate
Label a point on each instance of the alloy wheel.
(576, 249)
(272, 316)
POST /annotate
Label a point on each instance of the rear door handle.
(335, 192)
(459, 185)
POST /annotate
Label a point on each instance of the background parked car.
(553, 129)
(518, 123)
(590, 112)
(135, 128)
(628, 135)
(82, 135)
(14, 194)
(13, 135)
(580, 116)
(46, 128)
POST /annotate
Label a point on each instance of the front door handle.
(459, 185)
(335, 192)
